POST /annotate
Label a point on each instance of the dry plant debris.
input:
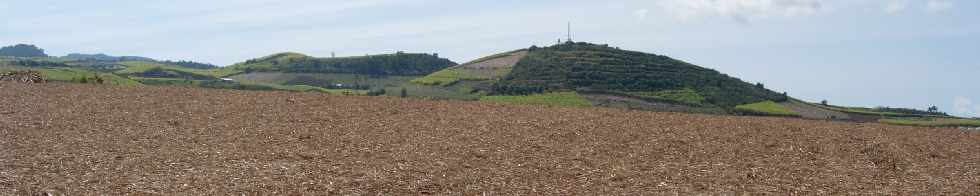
(23, 77)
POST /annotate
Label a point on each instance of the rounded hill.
(593, 68)
(385, 64)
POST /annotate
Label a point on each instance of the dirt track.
(87, 139)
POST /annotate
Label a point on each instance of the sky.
(898, 53)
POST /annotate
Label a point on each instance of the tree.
(934, 109)
(98, 79)
(824, 102)
(22, 50)
(376, 92)
(404, 93)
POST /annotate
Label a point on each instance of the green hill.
(386, 64)
(604, 69)
(104, 57)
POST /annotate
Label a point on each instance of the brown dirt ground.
(88, 139)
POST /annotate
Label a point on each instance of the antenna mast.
(569, 31)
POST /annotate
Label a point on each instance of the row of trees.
(933, 110)
(381, 91)
(95, 79)
(190, 64)
(29, 63)
(516, 89)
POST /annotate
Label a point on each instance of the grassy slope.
(932, 122)
(460, 91)
(137, 67)
(766, 108)
(134, 68)
(450, 76)
(687, 96)
(867, 111)
(457, 82)
(555, 99)
(67, 74)
(446, 77)
(268, 62)
(322, 79)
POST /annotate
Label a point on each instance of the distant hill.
(104, 57)
(22, 50)
(386, 64)
(591, 67)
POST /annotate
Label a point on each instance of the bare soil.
(89, 139)
(507, 61)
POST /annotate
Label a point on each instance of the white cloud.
(964, 106)
(939, 6)
(896, 6)
(742, 11)
(641, 14)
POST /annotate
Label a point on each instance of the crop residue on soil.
(90, 139)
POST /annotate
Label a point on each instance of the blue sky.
(901, 53)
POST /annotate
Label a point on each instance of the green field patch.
(768, 108)
(554, 99)
(447, 77)
(867, 111)
(343, 91)
(326, 80)
(688, 96)
(461, 91)
(75, 75)
(245, 86)
(269, 63)
(294, 88)
(144, 67)
(932, 122)
(166, 81)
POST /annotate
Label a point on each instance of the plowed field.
(89, 140)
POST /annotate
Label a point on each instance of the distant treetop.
(22, 50)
